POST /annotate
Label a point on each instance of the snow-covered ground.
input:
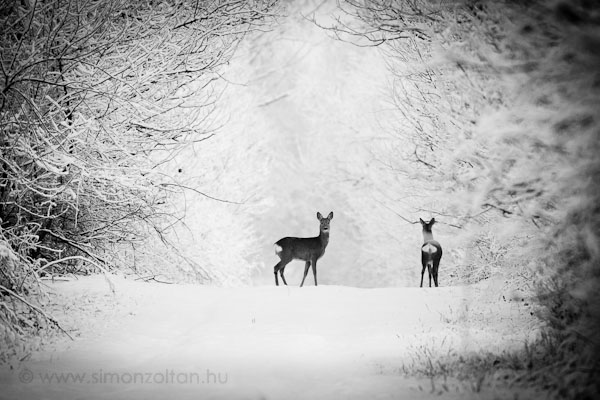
(152, 340)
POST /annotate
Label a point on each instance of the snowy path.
(260, 343)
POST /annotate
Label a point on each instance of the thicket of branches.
(96, 96)
(512, 91)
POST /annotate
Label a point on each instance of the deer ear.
(432, 221)
(319, 216)
(422, 222)
(330, 217)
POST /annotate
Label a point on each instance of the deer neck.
(427, 236)
(324, 238)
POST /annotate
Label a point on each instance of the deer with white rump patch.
(431, 253)
(305, 249)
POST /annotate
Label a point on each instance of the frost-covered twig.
(36, 309)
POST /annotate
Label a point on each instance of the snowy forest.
(152, 152)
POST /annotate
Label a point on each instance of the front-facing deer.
(305, 249)
(431, 252)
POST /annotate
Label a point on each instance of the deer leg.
(423, 273)
(429, 272)
(275, 269)
(314, 268)
(282, 277)
(280, 267)
(435, 272)
(306, 267)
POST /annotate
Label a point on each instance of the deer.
(305, 249)
(431, 253)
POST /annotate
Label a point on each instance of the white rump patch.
(429, 248)
(278, 248)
